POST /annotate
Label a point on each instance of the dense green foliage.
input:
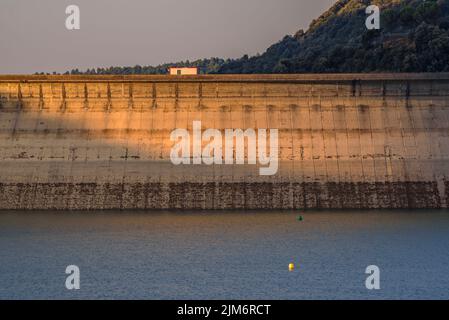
(414, 37)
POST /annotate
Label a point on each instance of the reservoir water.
(225, 255)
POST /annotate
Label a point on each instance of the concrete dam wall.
(345, 141)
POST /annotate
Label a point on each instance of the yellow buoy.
(291, 267)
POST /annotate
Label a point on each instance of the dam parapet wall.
(345, 141)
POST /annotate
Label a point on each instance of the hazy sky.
(33, 36)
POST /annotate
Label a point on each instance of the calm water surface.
(220, 255)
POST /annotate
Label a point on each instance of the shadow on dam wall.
(345, 141)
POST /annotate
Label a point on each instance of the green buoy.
(300, 218)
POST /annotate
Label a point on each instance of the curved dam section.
(345, 141)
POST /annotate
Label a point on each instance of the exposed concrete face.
(345, 141)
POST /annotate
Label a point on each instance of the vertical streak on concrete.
(63, 98)
(176, 96)
(371, 157)
(109, 98)
(130, 96)
(324, 149)
(291, 177)
(409, 109)
(350, 142)
(200, 95)
(312, 195)
(19, 97)
(154, 96)
(41, 98)
(337, 154)
(363, 179)
(86, 98)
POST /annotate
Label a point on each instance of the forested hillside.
(414, 37)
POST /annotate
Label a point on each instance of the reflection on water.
(225, 255)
